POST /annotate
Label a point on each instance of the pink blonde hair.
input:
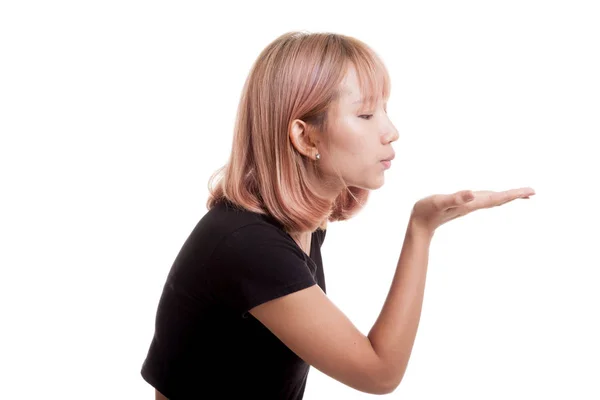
(297, 76)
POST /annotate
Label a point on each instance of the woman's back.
(205, 341)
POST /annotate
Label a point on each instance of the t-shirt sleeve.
(258, 263)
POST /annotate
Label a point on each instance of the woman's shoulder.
(227, 217)
(226, 224)
(239, 225)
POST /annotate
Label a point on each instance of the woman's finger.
(494, 199)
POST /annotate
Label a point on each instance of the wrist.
(419, 230)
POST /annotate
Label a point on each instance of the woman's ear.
(301, 139)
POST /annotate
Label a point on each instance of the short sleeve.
(258, 263)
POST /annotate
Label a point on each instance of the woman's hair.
(297, 76)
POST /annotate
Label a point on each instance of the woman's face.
(358, 139)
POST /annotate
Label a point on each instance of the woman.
(243, 312)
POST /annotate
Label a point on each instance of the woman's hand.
(433, 211)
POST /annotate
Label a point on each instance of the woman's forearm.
(393, 334)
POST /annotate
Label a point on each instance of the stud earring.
(318, 156)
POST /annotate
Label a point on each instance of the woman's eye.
(366, 116)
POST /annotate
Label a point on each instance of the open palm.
(434, 211)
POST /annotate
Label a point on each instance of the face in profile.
(358, 138)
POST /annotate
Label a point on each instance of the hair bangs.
(373, 77)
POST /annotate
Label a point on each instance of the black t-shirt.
(205, 344)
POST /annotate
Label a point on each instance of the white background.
(114, 114)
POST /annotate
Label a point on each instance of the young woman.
(243, 312)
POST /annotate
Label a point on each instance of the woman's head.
(306, 94)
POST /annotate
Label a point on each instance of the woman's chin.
(378, 185)
(378, 182)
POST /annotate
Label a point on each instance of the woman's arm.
(393, 334)
(319, 333)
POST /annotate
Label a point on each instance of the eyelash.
(366, 115)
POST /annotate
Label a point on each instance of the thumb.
(456, 199)
(465, 196)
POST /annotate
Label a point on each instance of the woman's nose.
(391, 136)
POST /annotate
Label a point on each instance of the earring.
(318, 156)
